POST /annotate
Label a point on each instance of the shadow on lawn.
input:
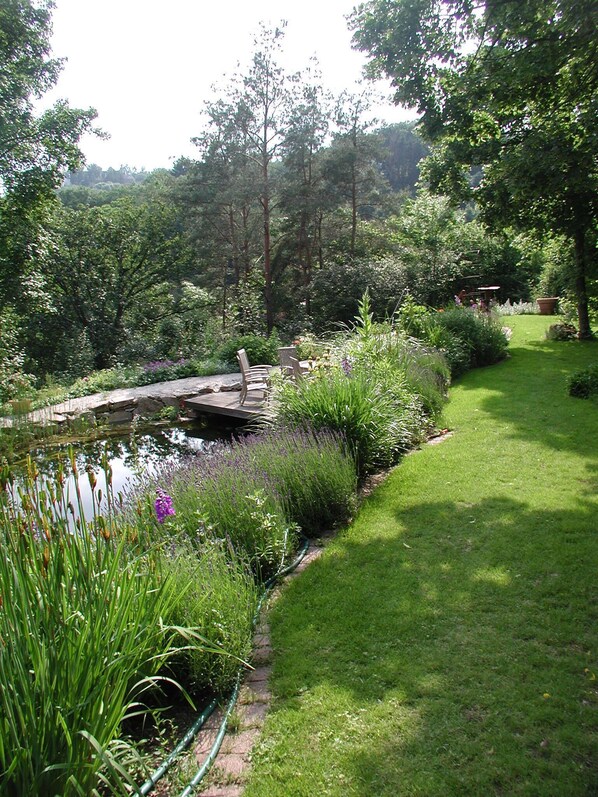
(454, 630)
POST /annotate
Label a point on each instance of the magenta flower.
(164, 506)
(346, 366)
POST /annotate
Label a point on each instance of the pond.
(136, 454)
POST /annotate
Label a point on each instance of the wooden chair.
(255, 377)
(297, 371)
(285, 354)
(243, 360)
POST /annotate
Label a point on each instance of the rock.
(122, 416)
(122, 404)
(147, 405)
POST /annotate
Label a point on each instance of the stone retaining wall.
(123, 406)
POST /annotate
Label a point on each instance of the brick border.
(230, 768)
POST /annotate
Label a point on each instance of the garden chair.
(285, 354)
(243, 359)
(297, 371)
(255, 377)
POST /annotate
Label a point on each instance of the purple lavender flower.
(164, 506)
(346, 366)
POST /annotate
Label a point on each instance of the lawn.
(446, 642)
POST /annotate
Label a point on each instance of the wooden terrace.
(227, 403)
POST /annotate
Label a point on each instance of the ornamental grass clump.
(218, 599)
(81, 638)
(377, 415)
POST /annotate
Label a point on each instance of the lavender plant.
(313, 473)
(224, 497)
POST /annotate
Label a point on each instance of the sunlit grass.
(446, 643)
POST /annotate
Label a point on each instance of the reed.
(80, 639)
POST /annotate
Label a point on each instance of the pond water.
(130, 456)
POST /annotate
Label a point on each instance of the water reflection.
(130, 458)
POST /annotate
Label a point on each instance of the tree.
(509, 85)
(103, 263)
(35, 151)
(302, 189)
(352, 160)
(246, 128)
(404, 150)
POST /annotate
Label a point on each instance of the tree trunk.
(583, 316)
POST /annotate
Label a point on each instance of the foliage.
(480, 334)
(260, 350)
(375, 412)
(217, 597)
(81, 639)
(584, 383)
(404, 150)
(222, 497)
(310, 471)
(13, 381)
(123, 253)
(35, 151)
(561, 332)
(508, 85)
(517, 308)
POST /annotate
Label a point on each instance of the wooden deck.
(226, 403)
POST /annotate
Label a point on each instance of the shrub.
(479, 335)
(312, 473)
(259, 350)
(420, 368)
(221, 496)
(377, 415)
(584, 383)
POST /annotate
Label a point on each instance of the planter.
(547, 305)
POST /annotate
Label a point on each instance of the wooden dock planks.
(226, 403)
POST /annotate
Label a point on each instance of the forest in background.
(294, 206)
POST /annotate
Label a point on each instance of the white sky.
(147, 65)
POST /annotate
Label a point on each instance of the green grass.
(446, 643)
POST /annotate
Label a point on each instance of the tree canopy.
(35, 150)
(507, 85)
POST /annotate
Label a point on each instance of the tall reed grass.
(80, 640)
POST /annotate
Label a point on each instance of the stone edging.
(122, 406)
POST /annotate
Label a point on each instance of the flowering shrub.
(475, 337)
(517, 308)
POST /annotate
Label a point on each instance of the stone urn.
(547, 305)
